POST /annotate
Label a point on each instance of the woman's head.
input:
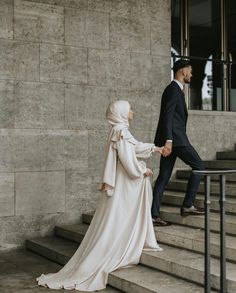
(119, 112)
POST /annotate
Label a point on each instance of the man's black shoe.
(191, 211)
(157, 221)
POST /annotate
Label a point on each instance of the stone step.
(226, 155)
(54, 248)
(188, 265)
(131, 280)
(220, 164)
(181, 185)
(176, 198)
(174, 235)
(141, 279)
(184, 174)
(172, 214)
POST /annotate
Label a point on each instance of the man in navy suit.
(171, 133)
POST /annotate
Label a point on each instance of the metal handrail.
(173, 55)
(222, 174)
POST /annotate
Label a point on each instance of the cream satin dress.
(121, 227)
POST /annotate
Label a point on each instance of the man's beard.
(186, 80)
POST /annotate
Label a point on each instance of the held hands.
(148, 172)
(167, 149)
(158, 150)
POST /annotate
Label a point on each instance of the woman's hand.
(158, 149)
(148, 172)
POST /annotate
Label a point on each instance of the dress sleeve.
(144, 150)
(128, 159)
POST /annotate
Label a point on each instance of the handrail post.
(207, 176)
(207, 235)
(223, 284)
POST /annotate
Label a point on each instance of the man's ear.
(184, 71)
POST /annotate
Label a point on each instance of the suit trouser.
(190, 157)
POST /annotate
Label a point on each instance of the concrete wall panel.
(19, 60)
(38, 22)
(7, 109)
(63, 64)
(86, 28)
(40, 192)
(6, 19)
(39, 105)
(86, 107)
(7, 199)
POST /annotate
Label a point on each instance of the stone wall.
(61, 62)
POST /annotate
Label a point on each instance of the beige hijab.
(117, 115)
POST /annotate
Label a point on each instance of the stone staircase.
(180, 267)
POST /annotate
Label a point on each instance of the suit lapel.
(185, 106)
(182, 95)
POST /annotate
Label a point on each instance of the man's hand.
(148, 172)
(166, 151)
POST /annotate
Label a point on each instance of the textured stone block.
(6, 19)
(86, 28)
(19, 60)
(100, 5)
(82, 4)
(63, 63)
(150, 9)
(38, 22)
(53, 150)
(7, 151)
(97, 144)
(78, 194)
(109, 68)
(131, 34)
(7, 117)
(141, 65)
(40, 192)
(64, 149)
(161, 72)
(28, 150)
(85, 107)
(77, 184)
(160, 40)
(14, 230)
(6, 194)
(115, 8)
(39, 105)
(76, 150)
(141, 101)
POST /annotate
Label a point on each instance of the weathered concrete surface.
(38, 22)
(6, 194)
(63, 64)
(48, 186)
(19, 60)
(39, 105)
(19, 270)
(6, 19)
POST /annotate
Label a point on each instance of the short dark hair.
(181, 63)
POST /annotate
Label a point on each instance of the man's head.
(183, 70)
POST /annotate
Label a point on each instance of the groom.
(171, 132)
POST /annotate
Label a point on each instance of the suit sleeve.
(168, 110)
(128, 159)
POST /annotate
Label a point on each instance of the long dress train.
(121, 227)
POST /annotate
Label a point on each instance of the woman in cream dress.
(122, 225)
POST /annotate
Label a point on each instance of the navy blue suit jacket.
(173, 117)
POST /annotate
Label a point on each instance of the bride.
(122, 225)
